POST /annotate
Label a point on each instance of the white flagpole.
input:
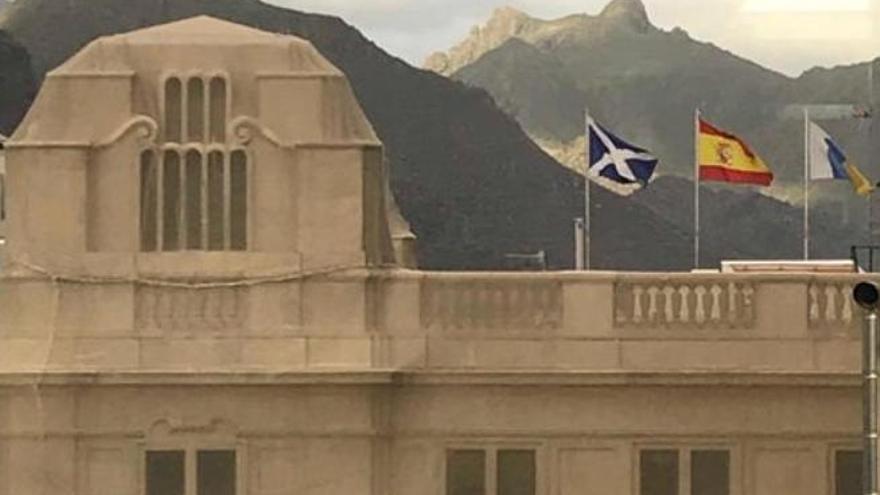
(588, 226)
(806, 183)
(697, 189)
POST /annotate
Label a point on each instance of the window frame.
(491, 448)
(685, 451)
(190, 447)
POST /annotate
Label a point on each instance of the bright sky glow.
(807, 6)
(786, 35)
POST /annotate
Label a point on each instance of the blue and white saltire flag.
(614, 159)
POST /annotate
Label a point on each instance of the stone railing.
(187, 311)
(683, 303)
(830, 305)
(490, 304)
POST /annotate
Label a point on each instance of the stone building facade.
(202, 295)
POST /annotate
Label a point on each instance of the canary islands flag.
(726, 158)
(828, 162)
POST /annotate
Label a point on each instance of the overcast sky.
(786, 35)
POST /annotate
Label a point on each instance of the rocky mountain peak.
(631, 12)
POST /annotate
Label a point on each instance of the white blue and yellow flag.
(829, 162)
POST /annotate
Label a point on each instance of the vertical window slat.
(195, 102)
(149, 201)
(216, 201)
(193, 200)
(238, 200)
(218, 102)
(171, 202)
(173, 110)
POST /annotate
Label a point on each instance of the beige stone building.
(203, 295)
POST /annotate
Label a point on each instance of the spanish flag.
(726, 158)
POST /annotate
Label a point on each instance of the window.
(511, 472)
(680, 472)
(194, 188)
(167, 472)
(848, 472)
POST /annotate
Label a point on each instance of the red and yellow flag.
(727, 158)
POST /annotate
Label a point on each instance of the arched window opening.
(218, 109)
(194, 196)
(195, 102)
(173, 110)
(149, 201)
(171, 201)
(238, 201)
(193, 200)
(216, 203)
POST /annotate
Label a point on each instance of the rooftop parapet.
(359, 320)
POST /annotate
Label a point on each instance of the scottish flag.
(614, 159)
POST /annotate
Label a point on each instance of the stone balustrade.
(830, 304)
(404, 319)
(684, 303)
(449, 305)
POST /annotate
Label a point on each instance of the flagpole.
(806, 183)
(697, 188)
(588, 227)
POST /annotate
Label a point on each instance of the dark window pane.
(149, 201)
(848, 472)
(216, 472)
(165, 472)
(238, 201)
(193, 200)
(216, 202)
(218, 109)
(171, 202)
(516, 472)
(195, 104)
(465, 472)
(658, 472)
(173, 109)
(710, 472)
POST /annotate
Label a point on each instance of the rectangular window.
(848, 472)
(658, 472)
(466, 472)
(684, 472)
(710, 472)
(216, 472)
(165, 472)
(516, 472)
(491, 472)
